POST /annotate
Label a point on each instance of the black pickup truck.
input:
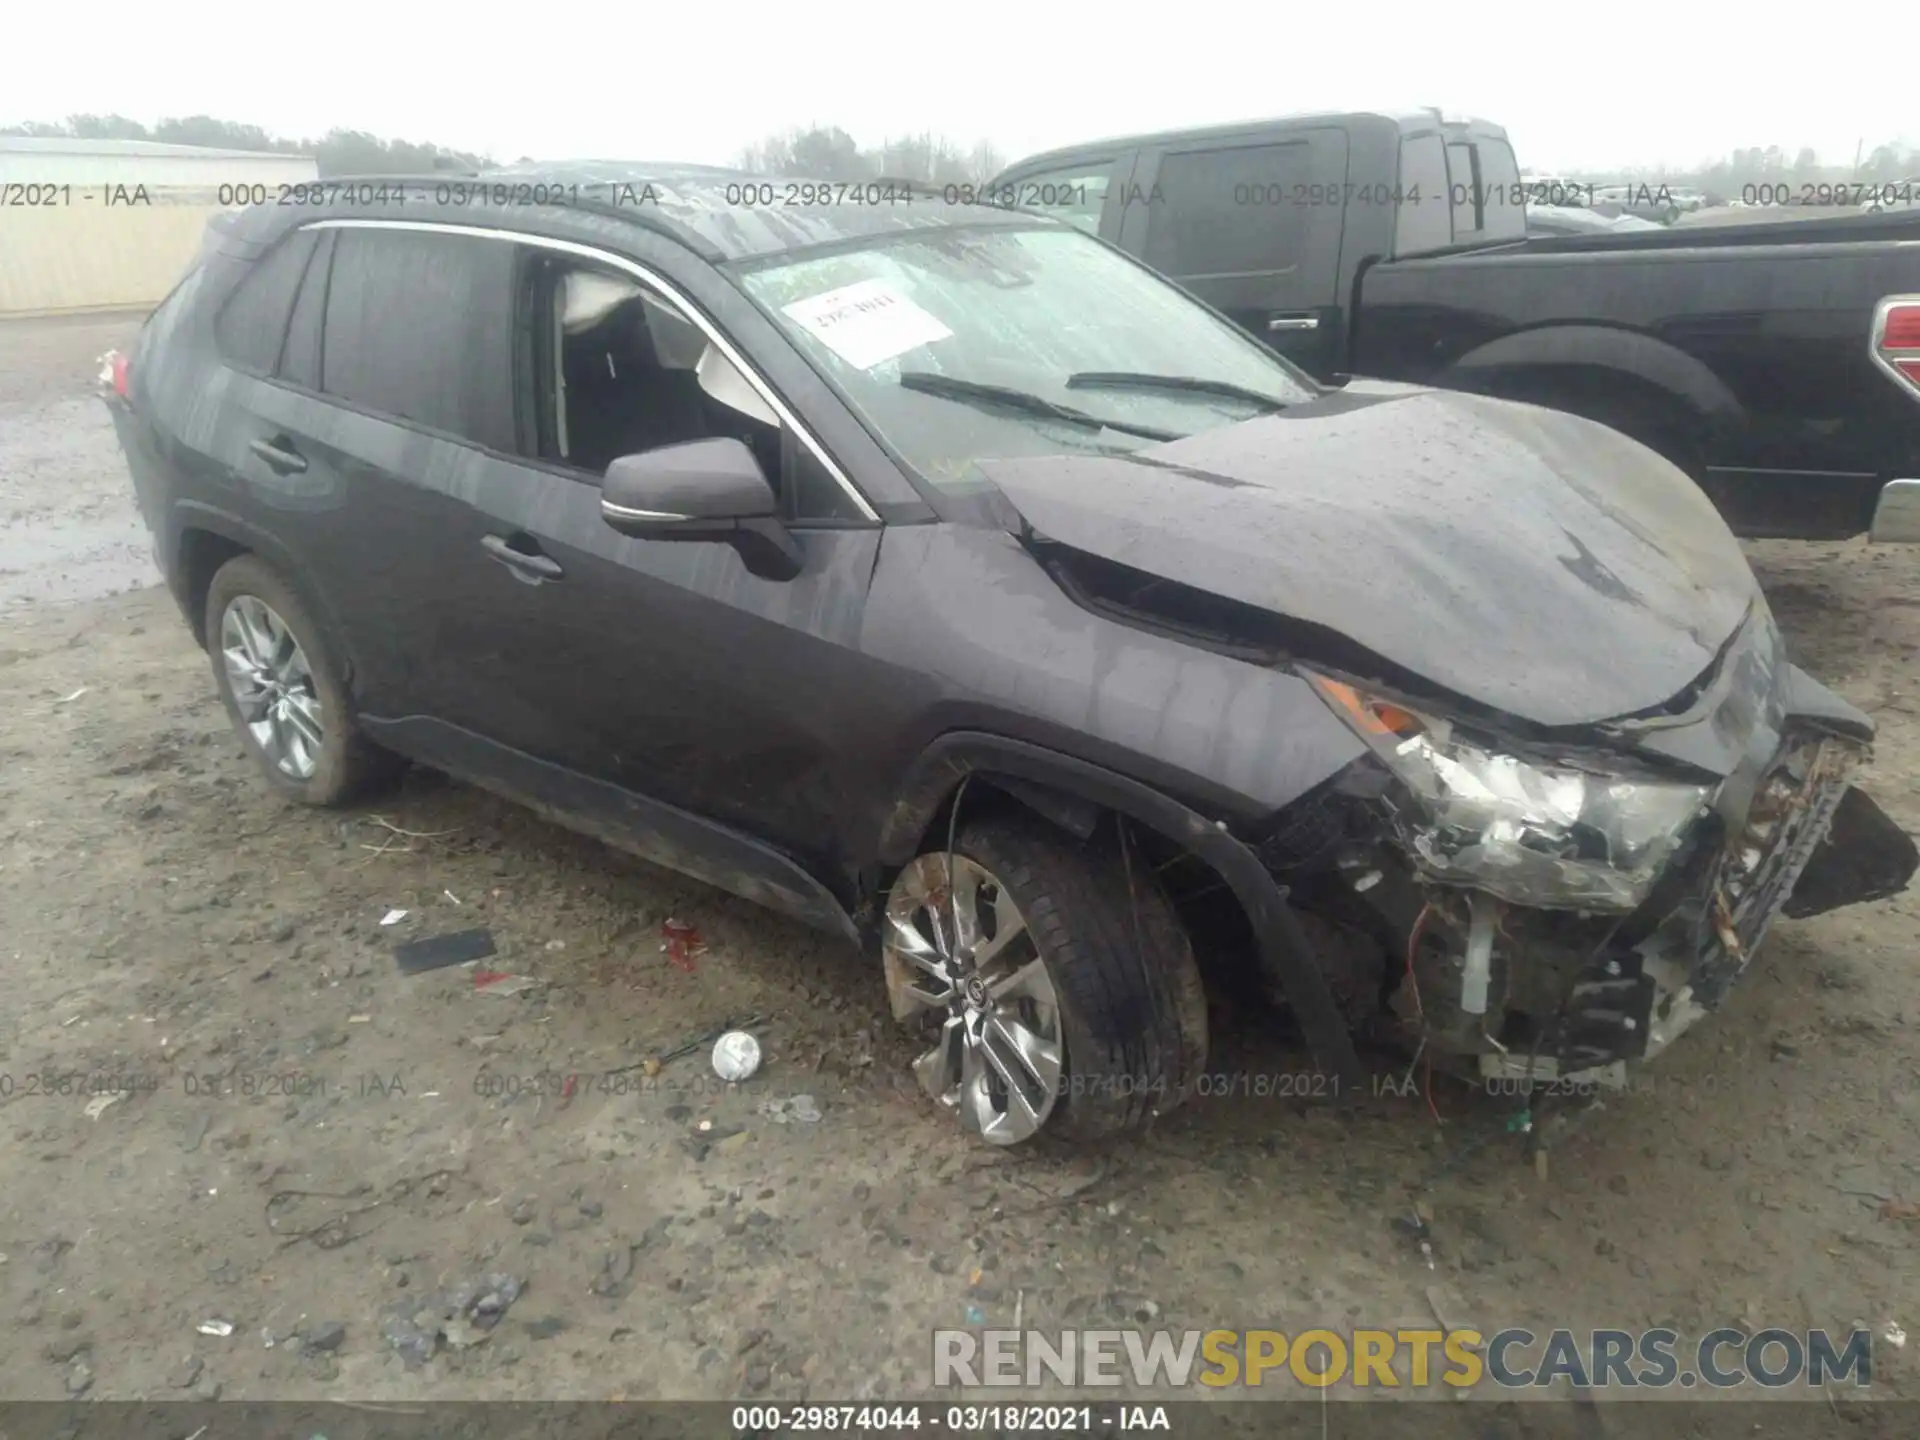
(1777, 362)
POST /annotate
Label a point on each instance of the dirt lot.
(305, 1140)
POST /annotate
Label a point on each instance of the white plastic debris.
(393, 917)
(97, 1106)
(69, 699)
(1894, 1335)
(215, 1327)
(736, 1055)
(505, 985)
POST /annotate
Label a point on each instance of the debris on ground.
(1894, 1335)
(795, 1110)
(502, 982)
(683, 943)
(222, 1328)
(436, 952)
(736, 1055)
(462, 1315)
(654, 1064)
(393, 917)
(1418, 1228)
(340, 1228)
(616, 1273)
(97, 1106)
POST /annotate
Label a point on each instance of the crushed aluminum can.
(736, 1055)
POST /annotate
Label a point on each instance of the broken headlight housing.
(1535, 833)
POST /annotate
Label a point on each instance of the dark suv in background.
(940, 576)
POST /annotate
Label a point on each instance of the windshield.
(963, 345)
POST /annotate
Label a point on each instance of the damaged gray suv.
(940, 576)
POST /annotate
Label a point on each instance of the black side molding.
(624, 819)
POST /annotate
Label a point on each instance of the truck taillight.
(1896, 339)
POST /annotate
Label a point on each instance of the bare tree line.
(826, 152)
(1771, 165)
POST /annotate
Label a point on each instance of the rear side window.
(1425, 220)
(1503, 209)
(300, 356)
(1231, 212)
(253, 322)
(419, 326)
(1467, 192)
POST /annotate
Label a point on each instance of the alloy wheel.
(964, 952)
(272, 685)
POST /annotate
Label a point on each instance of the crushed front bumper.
(1649, 978)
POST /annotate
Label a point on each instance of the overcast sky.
(1627, 82)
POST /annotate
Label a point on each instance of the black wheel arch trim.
(1687, 381)
(197, 515)
(1075, 783)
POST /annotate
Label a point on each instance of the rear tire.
(283, 689)
(1118, 997)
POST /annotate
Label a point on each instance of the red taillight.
(1901, 330)
(1896, 339)
(119, 363)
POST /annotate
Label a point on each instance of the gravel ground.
(303, 1143)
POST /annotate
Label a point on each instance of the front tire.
(1065, 999)
(283, 691)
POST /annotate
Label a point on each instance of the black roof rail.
(635, 214)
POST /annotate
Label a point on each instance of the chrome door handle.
(524, 566)
(1294, 322)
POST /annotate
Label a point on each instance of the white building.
(28, 160)
(112, 224)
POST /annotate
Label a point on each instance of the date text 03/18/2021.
(881, 1419)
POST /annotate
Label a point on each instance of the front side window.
(1235, 211)
(619, 369)
(419, 326)
(963, 345)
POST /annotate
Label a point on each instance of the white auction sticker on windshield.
(866, 323)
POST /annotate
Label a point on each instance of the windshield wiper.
(953, 387)
(1191, 384)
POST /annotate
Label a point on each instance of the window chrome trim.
(664, 288)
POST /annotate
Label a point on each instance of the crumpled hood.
(1523, 558)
